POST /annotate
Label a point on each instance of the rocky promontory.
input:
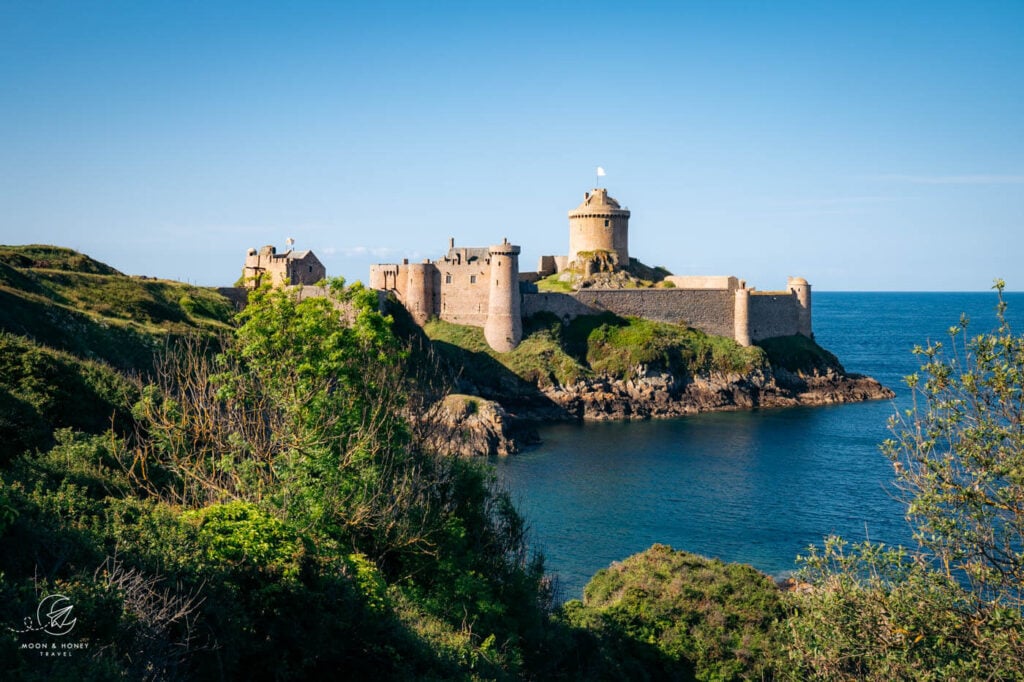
(598, 368)
(658, 394)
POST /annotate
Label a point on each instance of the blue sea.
(756, 487)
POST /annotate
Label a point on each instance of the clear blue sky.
(863, 145)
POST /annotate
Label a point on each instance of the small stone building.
(290, 268)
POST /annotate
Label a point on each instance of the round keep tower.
(419, 296)
(800, 287)
(504, 327)
(598, 225)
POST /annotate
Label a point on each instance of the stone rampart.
(709, 310)
(773, 313)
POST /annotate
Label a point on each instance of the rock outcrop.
(656, 394)
(468, 425)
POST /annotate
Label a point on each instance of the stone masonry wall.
(464, 299)
(708, 310)
(773, 314)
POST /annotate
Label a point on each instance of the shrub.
(717, 619)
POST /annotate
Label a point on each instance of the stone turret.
(800, 287)
(504, 327)
(599, 228)
(741, 317)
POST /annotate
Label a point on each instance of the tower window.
(472, 279)
(448, 278)
(606, 223)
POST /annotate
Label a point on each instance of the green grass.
(552, 283)
(714, 619)
(555, 354)
(539, 360)
(799, 354)
(72, 303)
(52, 258)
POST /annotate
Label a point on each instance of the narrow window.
(472, 279)
(606, 223)
(448, 278)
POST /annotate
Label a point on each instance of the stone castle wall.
(710, 310)
(464, 292)
(773, 313)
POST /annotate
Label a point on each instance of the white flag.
(600, 172)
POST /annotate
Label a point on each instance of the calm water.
(756, 487)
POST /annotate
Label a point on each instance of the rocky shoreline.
(471, 425)
(663, 395)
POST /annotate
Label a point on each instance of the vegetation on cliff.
(268, 513)
(67, 301)
(554, 353)
(610, 367)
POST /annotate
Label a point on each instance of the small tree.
(958, 455)
(953, 609)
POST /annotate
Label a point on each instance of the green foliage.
(715, 619)
(618, 347)
(800, 355)
(958, 454)
(879, 613)
(42, 390)
(954, 609)
(237, 532)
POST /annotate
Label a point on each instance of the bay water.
(755, 486)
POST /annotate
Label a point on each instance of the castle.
(482, 287)
(282, 269)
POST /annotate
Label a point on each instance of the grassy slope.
(607, 345)
(97, 313)
(70, 327)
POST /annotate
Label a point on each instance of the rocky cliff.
(657, 394)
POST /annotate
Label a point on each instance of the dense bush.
(271, 492)
(42, 390)
(702, 617)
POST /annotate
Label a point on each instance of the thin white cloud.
(956, 179)
(382, 252)
(360, 251)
